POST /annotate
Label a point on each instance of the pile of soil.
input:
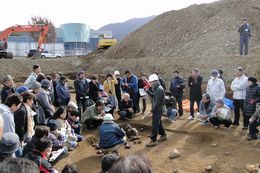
(207, 29)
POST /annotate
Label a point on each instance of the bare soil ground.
(193, 140)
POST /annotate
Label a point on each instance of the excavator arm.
(43, 29)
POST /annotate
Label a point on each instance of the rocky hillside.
(207, 29)
(120, 30)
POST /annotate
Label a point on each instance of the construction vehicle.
(105, 41)
(4, 35)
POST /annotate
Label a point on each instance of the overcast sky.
(95, 13)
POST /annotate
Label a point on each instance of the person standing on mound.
(158, 102)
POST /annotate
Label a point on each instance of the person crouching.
(111, 136)
(254, 124)
(220, 115)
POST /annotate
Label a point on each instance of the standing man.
(63, 93)
(238, 86)
(216, 87)
(177, 86)
(82, 88)
(8, 87)
(194, 82)
(162, 82)
(118, 86)
(245, 35)
(158, 102)
(131, 87)
(33, 76)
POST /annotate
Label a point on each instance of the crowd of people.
(40, 122)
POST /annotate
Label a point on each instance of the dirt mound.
(207, 29)
(20, 68)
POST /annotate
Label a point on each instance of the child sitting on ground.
(73, 120)
(60, 118)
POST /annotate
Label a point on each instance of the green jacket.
(158, 96)
(90, 113)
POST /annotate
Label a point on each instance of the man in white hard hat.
(158, 102)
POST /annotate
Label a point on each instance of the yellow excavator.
(105, 41)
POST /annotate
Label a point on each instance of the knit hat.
(6, 78)
(45, 83)
(35, 85)
(52, 125)
(220, 101)
(214, 73)
(72, 105)
(9, 143)
(63, 78)
(80, 72)
(108, 117)
(252, 79)
(22, 89)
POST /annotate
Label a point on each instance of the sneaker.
(180, 117)
(244, 128)
(172, 121)
(215, 127)
(162, 138)
(190, 118)
(151, 144)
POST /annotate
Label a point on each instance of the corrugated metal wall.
(21, 48)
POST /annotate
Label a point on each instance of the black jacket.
(20, 120)
(5, 92)
(30, 145)
(195, 88)
(252, 92)
(171, 103)
(81, 88)
(177, 92)
(43, 164)
(124, 106)
(93, 91)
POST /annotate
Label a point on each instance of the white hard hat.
(153, 77)
(108, 117)
(116, 73)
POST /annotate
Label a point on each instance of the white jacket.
(216, 89)
(239, 85)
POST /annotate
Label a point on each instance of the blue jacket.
(62, 93)
(177, 92)
(133, 84)
(206, 111)
(110, 135)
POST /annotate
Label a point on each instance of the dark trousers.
(92, 123)
(81, 105)
(252, 128)
(144, 105)
(119, 97)
(238, 104)
(157, 126)
(216, 121)
(179, 100)
(136, 102)
(244, 40)
(192, 105)
(246, 120)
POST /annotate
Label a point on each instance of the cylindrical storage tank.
(75, 32)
